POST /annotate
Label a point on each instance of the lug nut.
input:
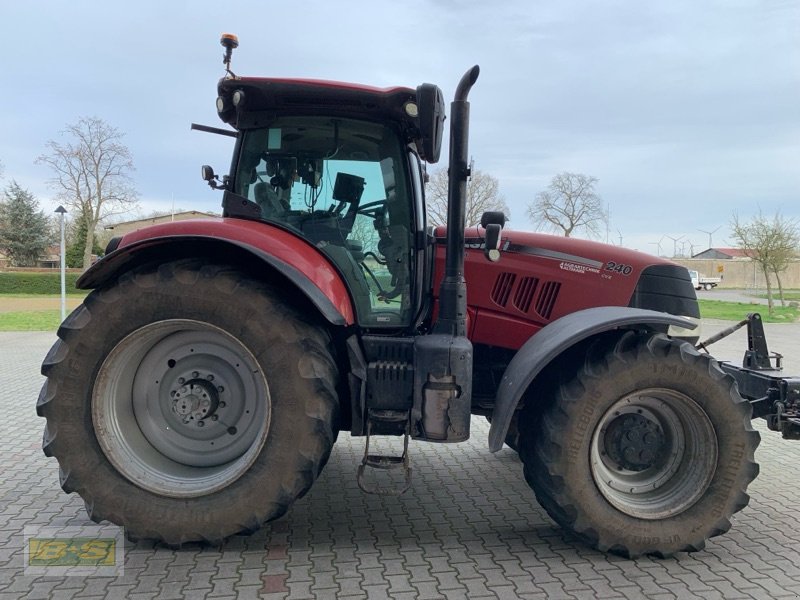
(181, 380)
(201, 424)
(195, 374)
(210, 377)
(220, 388)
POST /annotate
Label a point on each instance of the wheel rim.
(181, 408)
(654, 453)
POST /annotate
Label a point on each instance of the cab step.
(379, 419)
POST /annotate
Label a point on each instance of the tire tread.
(542, 443)
(320, 407)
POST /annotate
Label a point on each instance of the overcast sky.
(685, 111)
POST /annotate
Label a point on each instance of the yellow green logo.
(72, 552)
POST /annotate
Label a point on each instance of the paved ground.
(469, 527)
(782, 338)
(749, 296)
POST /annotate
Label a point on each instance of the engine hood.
(541, 277)
(593, 255)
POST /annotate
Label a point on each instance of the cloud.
(684, 111)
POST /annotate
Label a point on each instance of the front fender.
(554, 339)
(303, 265)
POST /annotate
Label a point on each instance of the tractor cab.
(340, 166)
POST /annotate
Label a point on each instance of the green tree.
(76, 243)
(771, 242)
(92, 174)
(25, 231)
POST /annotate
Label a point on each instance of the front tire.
(648, 449)
(188, 402)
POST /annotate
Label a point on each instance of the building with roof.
(723, 254)
(123, 227)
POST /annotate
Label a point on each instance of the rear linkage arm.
(774, 397)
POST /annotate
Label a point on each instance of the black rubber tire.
(293, 352)
(556, 447)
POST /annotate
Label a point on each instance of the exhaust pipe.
(443, 359)
(453, 291)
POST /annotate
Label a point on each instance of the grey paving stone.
(469, 528)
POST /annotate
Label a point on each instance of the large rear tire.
(648, 449)
(187, 402)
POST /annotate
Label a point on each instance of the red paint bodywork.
(291, 249)
(538, 279)
(553, 274)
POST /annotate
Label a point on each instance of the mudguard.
(295, 259)
(554, 339)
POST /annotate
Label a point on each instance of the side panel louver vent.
(525, 293)
(546, 299)
(502, 288)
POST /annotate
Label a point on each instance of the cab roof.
(314, 97)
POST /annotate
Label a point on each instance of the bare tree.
(91, 174)
(570, 205)
(483, 194)
(771, 243)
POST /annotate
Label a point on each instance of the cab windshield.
(341, 184)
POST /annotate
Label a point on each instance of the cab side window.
(341, 184)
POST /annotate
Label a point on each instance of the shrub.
(23, 282)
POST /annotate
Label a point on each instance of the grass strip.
(49, 320)
(736, 311)
(38, 320)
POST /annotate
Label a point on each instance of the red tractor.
(198, 390)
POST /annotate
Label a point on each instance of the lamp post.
(61, 212)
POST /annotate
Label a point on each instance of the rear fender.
(292, 258)
(551, 341)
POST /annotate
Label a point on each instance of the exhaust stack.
(443, 359)
(453, 291)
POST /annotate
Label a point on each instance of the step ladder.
(383, 462)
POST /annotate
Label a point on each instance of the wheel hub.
(181, 408)
(653, 453)
(194, 401)
(634, 442)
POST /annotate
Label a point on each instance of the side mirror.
(430, 102)
(209, 176)
(492, 221)
(493, 217)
